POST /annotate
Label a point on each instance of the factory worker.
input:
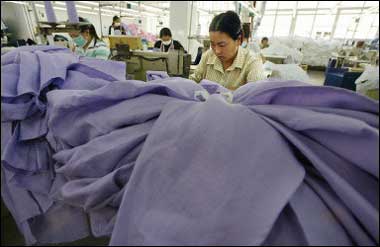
(252, 46)
(116, 28)
(167, 42)
(264, 43)
(87, 42)
(227, 63)
(358, 49)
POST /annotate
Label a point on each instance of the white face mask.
(166, 42)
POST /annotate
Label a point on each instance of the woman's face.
(117, 23)
(166, 38)
(85, 34)
(224, 46)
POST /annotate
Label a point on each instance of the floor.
(317, 77)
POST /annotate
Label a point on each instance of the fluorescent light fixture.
(132, 10)
(59, 3)
(54, 7)
(92, 13)
(110, 11)
(77, 5)
(83, 7)
(125, 9)
(18, 2)
(87, 12)
(151, 7)
(59, 8)
(91, 3)
(149, 14)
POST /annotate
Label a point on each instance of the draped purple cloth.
(86, 152)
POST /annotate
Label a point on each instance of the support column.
(180, 17)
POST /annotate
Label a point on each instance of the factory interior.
(190, 123)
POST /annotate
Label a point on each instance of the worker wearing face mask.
(167, 42)
(227, 63)
(116, 28)
(87, 42)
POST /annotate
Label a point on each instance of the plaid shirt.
(247, 67)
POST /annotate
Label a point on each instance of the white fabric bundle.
(315, 52)
(368, 80)
(277, 48)
(287, 71)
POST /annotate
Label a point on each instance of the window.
(283, 24)
(351, 4)
(271, 5)
(350, 11)
(307, 4)
(270, 12)
(327, 4)
(317, 18)
(343, 25)
(371, 3)
(323, 24)
(324, 12)
(287, 4)
(304, 24)
(205, 21)
(367, 26)
(266, 26)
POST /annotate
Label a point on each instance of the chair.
(331, 63)
(340, 77)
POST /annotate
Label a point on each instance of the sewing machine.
(133, 42)
(174, 62)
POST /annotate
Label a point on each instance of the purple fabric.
(28, 173)
(284, 163)
(155, 75)
(213, 87)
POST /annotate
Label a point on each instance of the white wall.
(180, 15)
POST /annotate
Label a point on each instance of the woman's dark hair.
(88, 27)
(265, 38)
(115, 18)
(228, 22)
(165, 32)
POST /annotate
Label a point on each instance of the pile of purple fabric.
(86, 152)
